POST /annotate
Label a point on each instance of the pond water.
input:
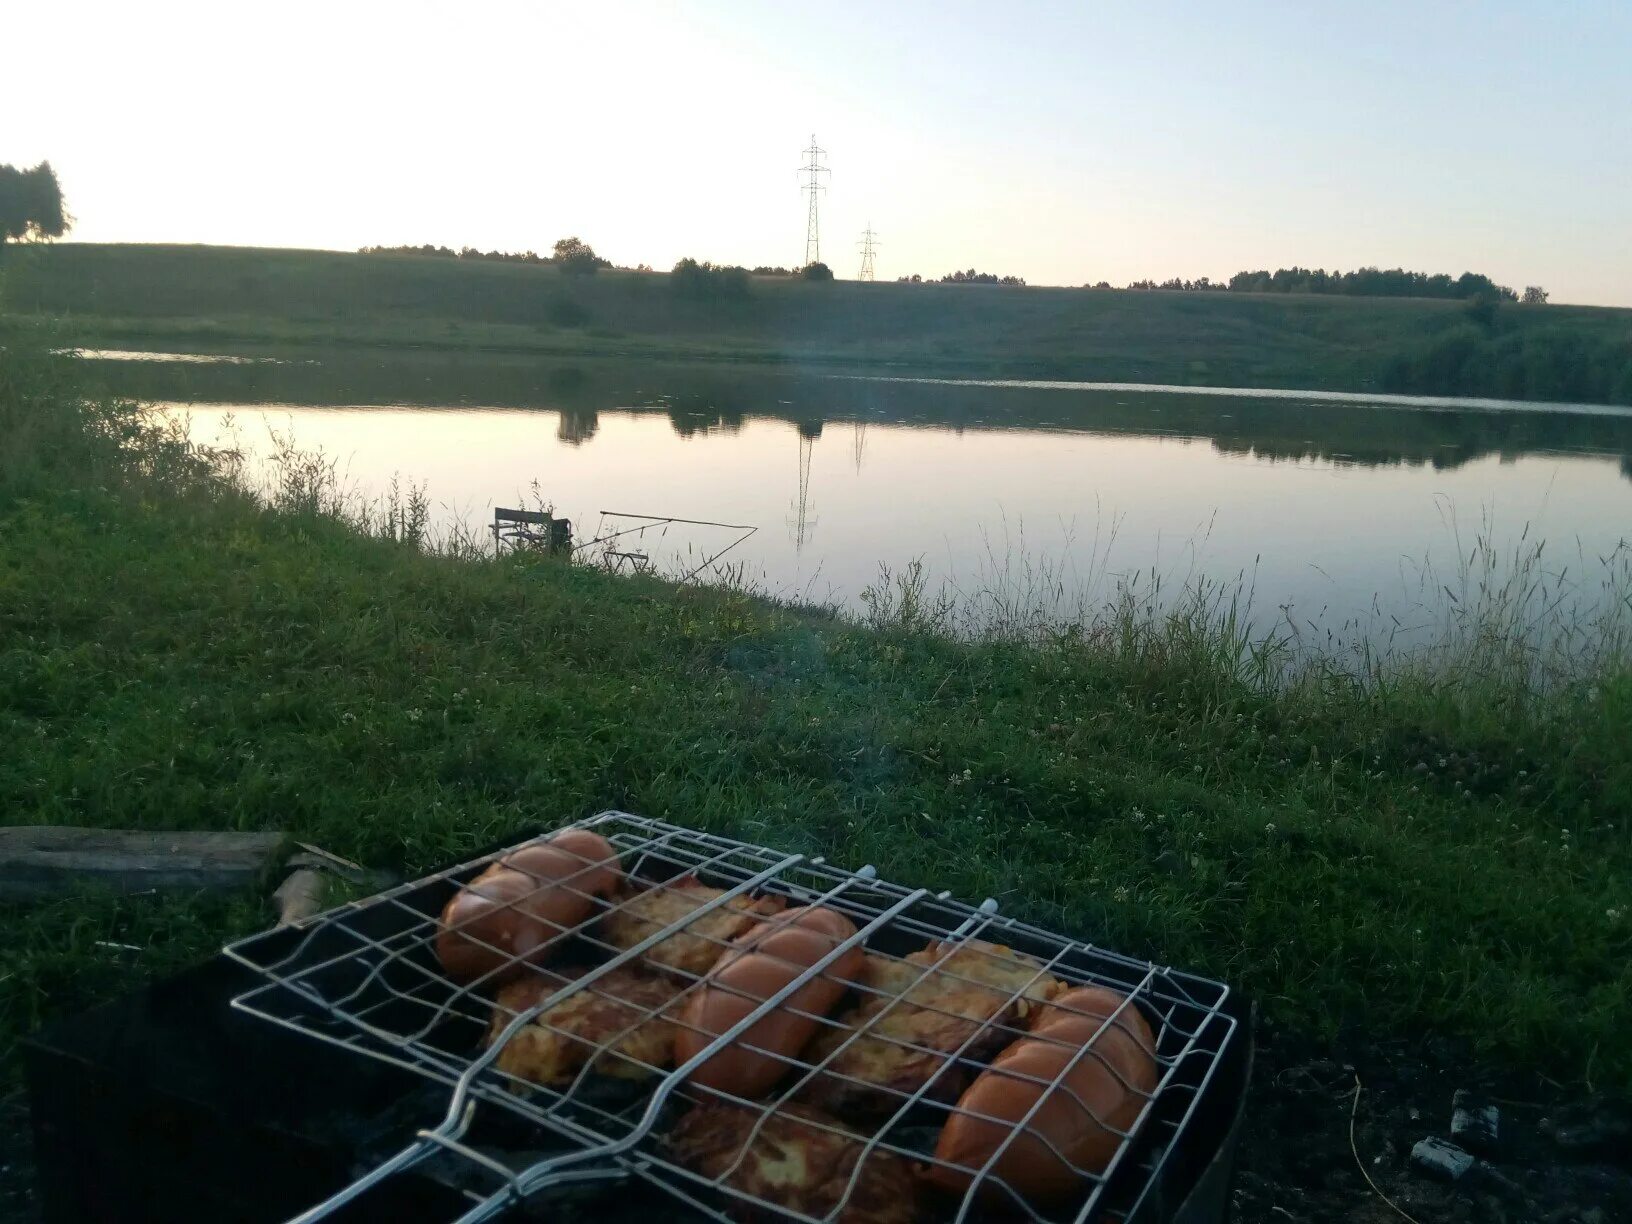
(1336, 511)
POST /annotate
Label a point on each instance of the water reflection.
(577, 426)
(802, 522)
(702, 400)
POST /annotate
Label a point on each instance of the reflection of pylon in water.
(802, 522)
(858, 441)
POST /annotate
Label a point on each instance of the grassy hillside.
(1445, 853)
(173, 294)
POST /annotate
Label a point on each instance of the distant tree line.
(572, 255)
(1372, 282)
(817, 271)
(442, 252)
(31, 204)
(970, 277)
(1362, 282)
(1200, 285)
(691, 278)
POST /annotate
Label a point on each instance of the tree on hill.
(1534, 295)
(576, 257)
(708, 281)
(31, 204)
(816, 272)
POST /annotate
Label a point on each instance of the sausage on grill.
(1075, 1131)
(764, 961)
(509, 915)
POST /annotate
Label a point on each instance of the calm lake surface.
(1327, 507)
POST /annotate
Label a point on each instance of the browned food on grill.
(764, 961)
(622, 1012)
(1081, 1119)
(511, 914)
(801, 1160)
(916, 1023)
(690, 952)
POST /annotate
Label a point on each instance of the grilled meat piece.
(796, 1162)
(692, 951)
(912, 1026)
(623, 1011)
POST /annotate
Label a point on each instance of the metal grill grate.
(365, 977)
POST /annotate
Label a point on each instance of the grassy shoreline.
(156, 295)
(1443, 852)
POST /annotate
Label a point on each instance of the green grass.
(1440, 852)
(200, 295)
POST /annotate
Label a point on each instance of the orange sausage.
(764, 960)
(1100, 1092)
(1096, 1002)
(592, 872)
(510, 914)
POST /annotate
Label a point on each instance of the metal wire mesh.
(366, 977)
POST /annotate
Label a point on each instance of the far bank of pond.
(174, 296)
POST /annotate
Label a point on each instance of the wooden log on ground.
(39, 861)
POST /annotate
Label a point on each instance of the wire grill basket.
(365, 976)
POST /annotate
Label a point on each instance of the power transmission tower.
(869, 244)
(813, 171)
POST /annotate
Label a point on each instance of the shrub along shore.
(1415, 850)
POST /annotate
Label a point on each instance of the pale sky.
(1065, 143)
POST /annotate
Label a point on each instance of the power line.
(813, 171)
(869, 244)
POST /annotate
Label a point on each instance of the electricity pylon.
(813, 171)
(869, 244)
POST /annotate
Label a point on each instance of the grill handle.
(424, 1146)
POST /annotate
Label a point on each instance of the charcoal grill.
(364, 977)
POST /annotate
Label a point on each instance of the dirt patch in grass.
(1299, 1163)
